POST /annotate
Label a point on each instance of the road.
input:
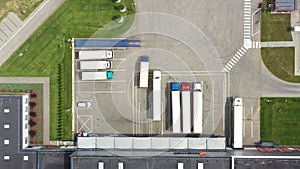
(29, 26)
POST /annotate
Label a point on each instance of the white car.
(83, 104)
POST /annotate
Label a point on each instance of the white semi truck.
(144, 71)
(237, 123)
(93, 65)
(156, 103)
(95, 54)
(186, 107)
(197, 107)
(97, 75)
(175, 102)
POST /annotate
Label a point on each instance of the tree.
(32, 114)
(115, 17)
(32, 133)
(32, 104)
(31, 123)
(32, 95)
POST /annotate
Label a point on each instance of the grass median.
(279, 120)
(280, 61)
(48, 52)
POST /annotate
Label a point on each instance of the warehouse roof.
(10, 115)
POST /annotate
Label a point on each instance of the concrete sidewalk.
(276, 44)
(296, 38)
(29, 26)
(46, 99)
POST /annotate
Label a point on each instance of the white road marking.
(244, 121)
(118, 70)
(227, 67)
(251, 123)
(132, 101)
(213, 103)
(103, 92)
(243, 49)
(121, 59)
(224, 100)
(232, 60)
(235, 59)
(104, 81)
(139, 116)
(231, 63)
(256, 33)
(162, 118)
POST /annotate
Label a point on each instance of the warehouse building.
(14, 132)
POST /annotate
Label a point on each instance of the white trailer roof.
(90, 65)
(186, 111)
(176, 119)
(197, 111)
(95, 54)
(238, 126)
(156, 104)
(93, 75)
(144, 73)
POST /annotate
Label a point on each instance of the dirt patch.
(22, 8)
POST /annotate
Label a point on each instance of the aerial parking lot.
(120, 106)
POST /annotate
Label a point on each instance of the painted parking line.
(104, 81)
(119, 59)
(102, 92)
(244, 121)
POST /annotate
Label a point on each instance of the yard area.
(47, 53)
(274, 27)
(22, 8)
(279, 120)
(280, 61)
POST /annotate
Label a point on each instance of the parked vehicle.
(95, 54)
(97, 75)
(93, 65)
(84, 104)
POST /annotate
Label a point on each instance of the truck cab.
(175, 86)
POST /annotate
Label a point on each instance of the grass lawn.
(279, 121)
(48, 47)
(17, 6)
(274, 27)
(280, 61)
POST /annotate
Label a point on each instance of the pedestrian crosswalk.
(256, 44)
(247, 19)
(236, 57)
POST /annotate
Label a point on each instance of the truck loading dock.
(120, 106)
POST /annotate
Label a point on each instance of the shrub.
(32, 133)
(32, 104)
(31, 123)
(32, 114)
(33, 95)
